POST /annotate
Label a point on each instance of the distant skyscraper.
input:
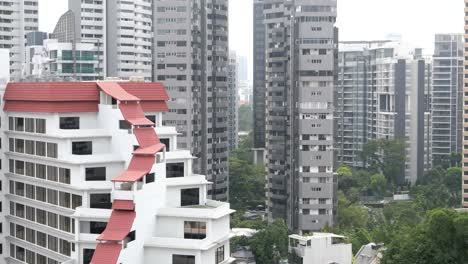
(301, 47)
(18, 17)
(382, 93)
(447, 97)
(121, 32)
(36, 38)
(65, 28)
(259, 89)
(233, 120)
(465, 123)
(191, 57)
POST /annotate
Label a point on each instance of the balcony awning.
(138, 168)
(120, 224)
(151, 150)
(125, 205)
(106, 253)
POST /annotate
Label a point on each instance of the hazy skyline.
(416, 20)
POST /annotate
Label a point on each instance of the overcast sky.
(416, 20)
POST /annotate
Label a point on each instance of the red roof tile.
(50, 107)
(146, 136)
(154, 106)
(116, 91)
(133, 113)
(106, 253)
(146, 91)
(151, 150)
(52, 91)
(120, 224)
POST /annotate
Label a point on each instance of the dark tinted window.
(82, 148)
(183, 259)
(101, 201)
(190, 197)
(97, 227)
(174, 170)
(152, 118)
(194, 230)
(123, 124)
(150, 178)
(69, 123)
(96, 174)
(87, 255)
(166, 141)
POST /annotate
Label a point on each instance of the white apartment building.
(320, 248)
(121, 32)
(92, 176)
(17, 18)
(69, 61)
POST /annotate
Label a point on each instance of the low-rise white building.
(94, 177)
(321, 248)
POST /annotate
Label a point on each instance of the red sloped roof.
(151, 150)
(120, 224)
(154, 106)
(146, 91)
(146, 136)
(52, 91)
(116, 91)
(50, 107)
(133, 113)
(138, 168)
(125, 205)
(130, 176)
(106, 253)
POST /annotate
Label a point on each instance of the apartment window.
(52, 196)
(29, 126)
(76, 201)
(30, 169)
(19, 145)
(20, 232)
(19, 208)
(65, 248)
(65, 223)
(166, 142)
(11, 145)
(31, 213)
(30, 236)
(82, 148)
(123, 124)
(96, 174)
(52, 243)
(41, 259)
(97, 227)
(41, 171)
(51, 150)
(19, 124)
(19, 167)
(40, 126)
(30, 191)
(87, 255)
(194, 230)
(19, 188)
(150, 177)
(69, 123)
(183, 259)
(41, 194)
(40, 148)
(101, 201)
(174, 170)
(64, 176)
(30, 147)
(65, 199)
(20, 253)
(41, 239)
(220, 254)
(41, 216)
(190, 197)
(52, 173)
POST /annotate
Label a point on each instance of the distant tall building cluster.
(465, 115)
(382, 93)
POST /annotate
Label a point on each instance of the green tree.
(270, 242)
(440, 238)
(379, 185)
(351, 216)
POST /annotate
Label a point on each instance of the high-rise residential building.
(191, 57)
(64, 30)
(259, 88)
(233, 120)
(243, 68)
(447, 97)
(465, 115)
(383, 93)
(36, 38)
(301, 44)
(93, 176)
(18, 17)
(121, 32)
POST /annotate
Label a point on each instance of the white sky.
(416, 20)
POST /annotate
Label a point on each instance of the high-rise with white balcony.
(301, 44)
(121, 32)
(17, 18)
(92, 176)
(191, 57)
(465, 116)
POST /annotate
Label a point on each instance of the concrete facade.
(233, 117)
(18, 17)
(191, 57)
(301, 44)
(259, 92)
(320, 248)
